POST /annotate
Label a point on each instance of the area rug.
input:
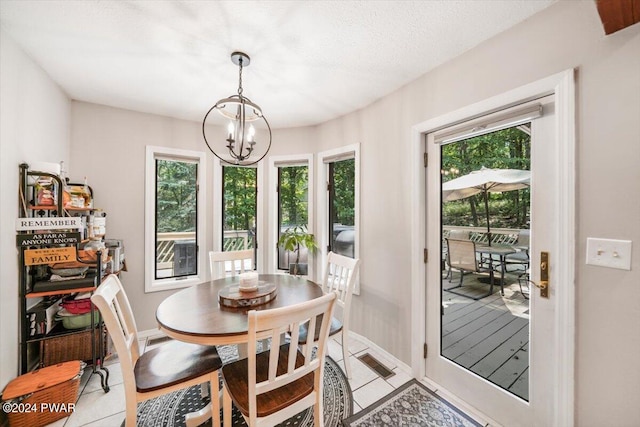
(411, 404)
(169, 410)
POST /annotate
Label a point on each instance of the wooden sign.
(49, 255)
(53, 223)
(47, 239)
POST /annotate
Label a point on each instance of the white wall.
(34, 126)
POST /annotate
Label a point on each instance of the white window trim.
(274, 163)
(150, 283)
(324, 157)
(217, 209)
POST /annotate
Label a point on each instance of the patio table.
(501, 252)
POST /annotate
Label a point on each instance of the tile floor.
(95, 408)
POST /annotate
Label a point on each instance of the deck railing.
(499, 236)
(234, 240)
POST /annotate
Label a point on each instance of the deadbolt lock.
(544, 274)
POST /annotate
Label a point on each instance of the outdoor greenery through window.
(239, 195)
(504, 149)
(176, 218)
(293, 201)
(342, 207)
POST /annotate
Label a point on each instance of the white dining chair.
(219, 260)
(340, 277)
(272, 386)
(164, 369)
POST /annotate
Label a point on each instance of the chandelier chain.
(240, 79)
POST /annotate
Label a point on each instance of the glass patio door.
(490, 333)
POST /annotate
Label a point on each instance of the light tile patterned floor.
(95, 408)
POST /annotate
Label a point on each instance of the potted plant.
(294, 238)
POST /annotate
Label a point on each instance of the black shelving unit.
(33, 342)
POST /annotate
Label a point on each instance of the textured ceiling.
(310, 61)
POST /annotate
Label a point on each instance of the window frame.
(276, 162)
(324, 158)
(151, 284)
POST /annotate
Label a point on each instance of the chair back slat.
(218, 262)
(340, 277)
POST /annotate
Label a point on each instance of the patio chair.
(458, 235)
(462, 257)
(218, 262)
(340, 277)
(272, 386)
(521, 257)
(165, 369)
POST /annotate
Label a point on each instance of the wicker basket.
(41, 397)
(69, 347)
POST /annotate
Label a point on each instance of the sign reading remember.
(49, 256)
(63, 223)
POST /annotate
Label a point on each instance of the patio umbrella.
(485, 181)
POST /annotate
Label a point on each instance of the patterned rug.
(169, 410)
(411, 404)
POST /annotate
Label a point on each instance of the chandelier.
(241, 146)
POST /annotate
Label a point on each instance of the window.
(239, 208)
(339, 199)
(290, 205)
(293, 201)
(341, 188)
(174, 213)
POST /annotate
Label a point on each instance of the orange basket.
(43, 396)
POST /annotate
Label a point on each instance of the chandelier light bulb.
(231, 129)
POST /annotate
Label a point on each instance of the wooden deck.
(489, 336)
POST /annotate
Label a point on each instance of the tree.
(504, 149)
(293, 194)
(176, 196)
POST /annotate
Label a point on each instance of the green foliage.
(293, 238)
(505, 149)
(293, 194)
(176, 196)
(344, 192)
(239, 197)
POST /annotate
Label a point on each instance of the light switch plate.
(609, 253)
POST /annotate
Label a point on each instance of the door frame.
(562, 86)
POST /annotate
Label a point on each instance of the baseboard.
(148, 333)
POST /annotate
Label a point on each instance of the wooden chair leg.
(226, 407)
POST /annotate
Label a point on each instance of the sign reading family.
(49, 255)
(24, 224)
(24, 240)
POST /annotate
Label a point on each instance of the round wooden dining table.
(195, 314)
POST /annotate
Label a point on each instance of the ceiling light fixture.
(240, 147)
